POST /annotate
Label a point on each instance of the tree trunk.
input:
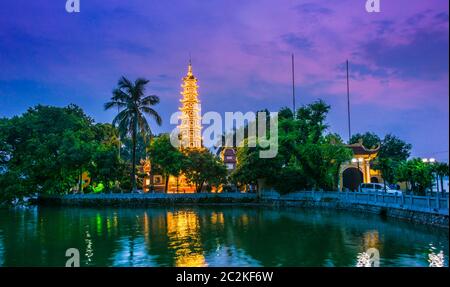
(166, 184)
(133, 160)
(80, 183)
(385, 187)
(442, 185)
(200, 188)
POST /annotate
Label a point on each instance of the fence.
(429, 204)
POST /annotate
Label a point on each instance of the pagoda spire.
(190, 127)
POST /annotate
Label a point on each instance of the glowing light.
(436, 260)
(183, 231)
(190, 127)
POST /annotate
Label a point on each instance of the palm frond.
(125, 84)
(143, 125)
(120, 96)
(153, 114)
(150, 100)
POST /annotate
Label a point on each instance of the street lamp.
(358, 161)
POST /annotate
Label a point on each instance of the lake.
(211, 236)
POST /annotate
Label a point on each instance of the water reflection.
(1, 250)
(210, 237)
(183, 232)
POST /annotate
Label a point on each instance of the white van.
(377, 187)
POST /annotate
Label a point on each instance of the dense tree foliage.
(307, 158)
(47, 149)
(166, 158)
(368, 139)
(202, 167)
(418, 173)
(442, 170)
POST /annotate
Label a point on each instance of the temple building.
(190, 129)
(359, 170)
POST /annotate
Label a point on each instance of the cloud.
(241, 53)
(313, 8)
(297, 41)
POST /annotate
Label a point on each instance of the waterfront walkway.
(425, 204)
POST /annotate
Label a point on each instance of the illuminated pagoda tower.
(190, 128)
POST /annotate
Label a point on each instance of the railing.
(233, 195)
(430, 204)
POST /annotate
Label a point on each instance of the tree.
(76, 152)
(169, 159)
(307, 158)
(387, 167)
(45, 149)
(251, 169)
(134, 105)
(417, 173)
(285, 113)
(106, 167)
(442, 170)
(321, 163)
(368, 139)
(394, 148)
(311, 120)
(203, 167)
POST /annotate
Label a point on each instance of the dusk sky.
(241, 55)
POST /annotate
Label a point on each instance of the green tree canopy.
(417, 173)
(307, 158)
(368, 139)
(203, 167)
(166, 158)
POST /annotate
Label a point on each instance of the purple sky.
(241, 55)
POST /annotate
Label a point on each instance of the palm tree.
(134, 105)
(442, 170)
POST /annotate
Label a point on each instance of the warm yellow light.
(190, 127)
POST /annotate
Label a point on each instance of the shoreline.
(319, 200)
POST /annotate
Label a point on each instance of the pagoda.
(190, 127)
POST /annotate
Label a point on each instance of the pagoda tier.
(190, 127)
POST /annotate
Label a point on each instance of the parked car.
(378, 188)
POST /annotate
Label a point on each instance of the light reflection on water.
(210, 237)
(1, 249)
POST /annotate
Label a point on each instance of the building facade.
(359, 170)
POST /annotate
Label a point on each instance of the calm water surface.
(217, 236)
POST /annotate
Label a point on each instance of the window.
(230, 166)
